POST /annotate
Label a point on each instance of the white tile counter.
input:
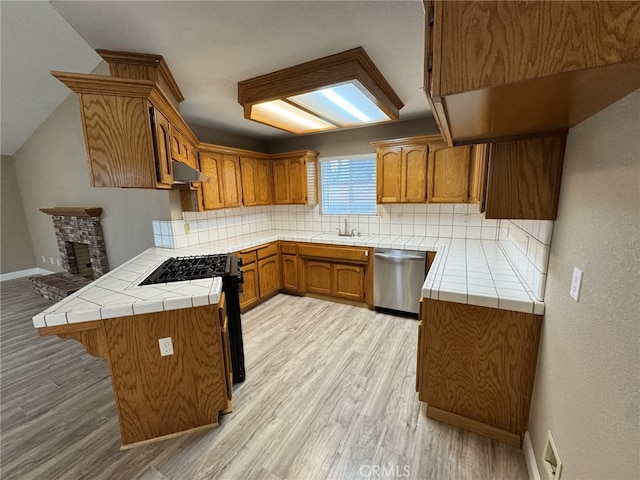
(464, 271)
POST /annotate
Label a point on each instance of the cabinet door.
(281, 194)
(478, 175)
(448, 174)
(231, 181)
(248, 171)
(250, 294)
(211, 165)
(349, 282)
(318, 277)
(290, 272)
(269, 276)
(263, 185)
(414, 174)
(524, 178)
(297, 181)
(163, 145)
(192, 157)
(389, 174)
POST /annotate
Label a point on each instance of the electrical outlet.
(187, 228)
(166, 346)
(552, 463)
(576, 283)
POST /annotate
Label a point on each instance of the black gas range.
(226, 266)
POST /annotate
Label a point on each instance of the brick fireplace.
(82, 251)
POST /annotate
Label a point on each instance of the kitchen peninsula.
(107, 315)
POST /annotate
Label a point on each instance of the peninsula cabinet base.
(159, 397)
(476, 366)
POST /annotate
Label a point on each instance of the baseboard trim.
(24, 273)
(474, 426)
(530, 457)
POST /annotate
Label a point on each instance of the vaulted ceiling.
(209, 46)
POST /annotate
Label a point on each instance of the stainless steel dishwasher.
(398, 276)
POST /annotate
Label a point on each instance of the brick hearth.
(73, 225)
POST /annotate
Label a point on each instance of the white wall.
(587, 383)
(15, 246)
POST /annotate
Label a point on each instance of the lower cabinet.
(476, 366)
(261, 271)
(300, 268)
(340, 272)
(348, 282)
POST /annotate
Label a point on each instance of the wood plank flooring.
(330, 394)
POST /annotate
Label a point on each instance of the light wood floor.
(330, 393)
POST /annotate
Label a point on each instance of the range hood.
(183, 173)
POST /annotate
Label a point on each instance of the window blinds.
(348, 185)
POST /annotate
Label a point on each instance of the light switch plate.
(576, 283)
(166, 346)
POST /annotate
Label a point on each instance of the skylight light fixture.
(339, 91)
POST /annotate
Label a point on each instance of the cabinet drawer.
(359, 255)
(289, 248)
(267, 251)
(247, 257)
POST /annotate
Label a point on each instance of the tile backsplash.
(526, 244)
(432, 220)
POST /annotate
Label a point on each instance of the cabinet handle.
(430, 62)
(431, 16)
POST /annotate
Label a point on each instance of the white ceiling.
(209, 46)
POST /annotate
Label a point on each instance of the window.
(348, 185)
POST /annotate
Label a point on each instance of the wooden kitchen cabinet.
(250, 295)
(231, 181)
(489, 73)
(524, 178)
(339, 272)
(162, 139)
(257, 182)
(478, 175)
(402, 170)
(448, 173)
(224, 189)
(262, 278)
(150, 389)
(212, 192)
(422, 169)
(476, 367)
(269, 271)
(289, 267)
(129, 120)
(294, 178)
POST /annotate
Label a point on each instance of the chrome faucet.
(346, 232)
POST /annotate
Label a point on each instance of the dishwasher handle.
(398, 257)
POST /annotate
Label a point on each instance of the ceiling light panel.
(341, 90)
(344, 104)
(281, 114)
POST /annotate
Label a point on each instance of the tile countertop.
(465, 271)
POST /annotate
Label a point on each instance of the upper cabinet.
(402, 170)
(294, 178)
(524, 178)
(257, 182)
(131, 126)
(222, 166)
(448, 174)
(422, 169)
(495, 70)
